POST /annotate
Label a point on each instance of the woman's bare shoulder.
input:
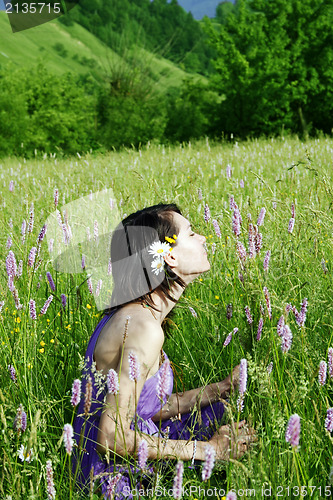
(141, 328)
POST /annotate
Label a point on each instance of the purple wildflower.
(322, 373)
(258, 242)
(231, 495)
(51, 492)
(56, 197)
(236, 222)
(11, 185)
(32, 256)
(241, 251)
(76, 392)
(110, 486)
(288, 308)
(227, 340)
(68, 438)
(293, 211)
(90, 286)
(208, 466)
(252, 248)
(12, 373)
(112, 381)
(217, 228)
(291, 225)
(95, 230)
(261, 217)
(109, 267)
(266, 260)
(42, 234)
(63, 300)
(241, 277)
(11, 284)
(11, 266)
(293, 430)
(274, 205)
(50, 280)
(46, 305)
(23, 230)
(241, 183)
(207, 213)
(329, 420)
(32, 308)
(248, 315)
(98, 287)
(280, 326)
(260, 325)
(242, 376)
(2, 303)
(83, 262)
(20, 269)
(232, 203)
(330, 361)
(9, 242)
(229, 311)
(286, 339)
(88, 395)
(18, 305)
(199, 194)
(302, 314)
(164, 380)
(20, 422)
(143, 454)
(178, 480)
(31, 218)
(228, 171)
(134, 368)
(268, 302)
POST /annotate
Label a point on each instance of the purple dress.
(85, 457)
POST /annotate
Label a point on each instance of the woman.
(155, 254)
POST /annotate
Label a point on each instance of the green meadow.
(281, 175)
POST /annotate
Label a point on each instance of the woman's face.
(188, 258)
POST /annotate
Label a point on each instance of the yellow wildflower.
(88, 306)
(42, 343)
(41, 350)
(52, 341)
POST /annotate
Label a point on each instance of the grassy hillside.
(72, 48)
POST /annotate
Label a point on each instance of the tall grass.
(46, 352)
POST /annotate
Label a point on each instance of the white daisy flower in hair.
(159, 249)
(157, 266)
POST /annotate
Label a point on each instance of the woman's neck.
(165, 305)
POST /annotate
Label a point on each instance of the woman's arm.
(203, 396)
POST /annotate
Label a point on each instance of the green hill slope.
(72, 48)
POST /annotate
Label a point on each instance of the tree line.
(272, 75)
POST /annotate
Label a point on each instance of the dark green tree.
(273, 66)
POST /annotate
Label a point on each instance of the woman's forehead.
(182, 222)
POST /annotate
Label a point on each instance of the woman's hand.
(232, 441)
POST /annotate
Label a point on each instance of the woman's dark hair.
(133, 278)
